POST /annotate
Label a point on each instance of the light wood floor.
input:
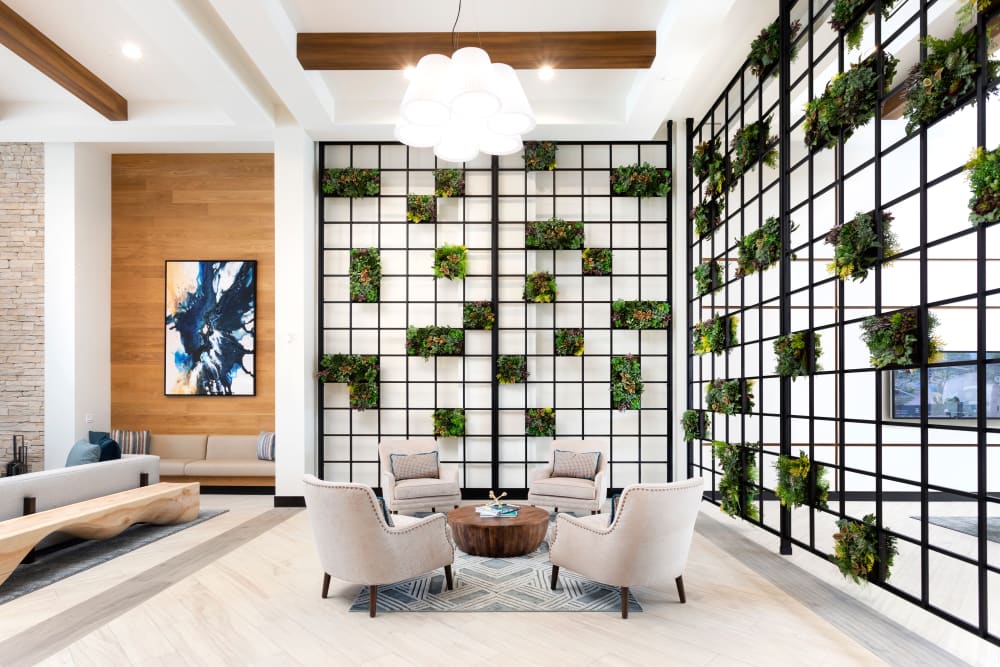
(244, 589)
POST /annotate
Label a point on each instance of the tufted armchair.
(405, 495)
(647, 541)
(571, 493)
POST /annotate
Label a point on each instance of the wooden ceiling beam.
(47, 57)
(630, 49)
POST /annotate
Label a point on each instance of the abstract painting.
(210, 328)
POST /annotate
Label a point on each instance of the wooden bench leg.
(144, 479)
(29, 507)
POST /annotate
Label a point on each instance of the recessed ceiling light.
(131, 50)
(545, 72)
(408, 72)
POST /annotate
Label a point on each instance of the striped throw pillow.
(132, 442)
(582, 465)
(265, 446)
(414, 466)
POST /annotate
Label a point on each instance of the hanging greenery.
(596, 261)
(451, 262)
(856, 245)
(983, 172)
(970, 8)
(421, 208)
(351, 182)
(709, 277)
(363, 395)
(696, 425)
(540, 287)
(710, 166)
(946, 80)
(760, 249)
(738, 485)
(715, 334)
(512, 369)
(855, 549)
(478, 315)
(449, 422)
(553, 234)
(847, 16)
(640, 180)
(848, 102)
(366, 275)
(626, 382)
(894, 339)
(430, 342)
(449, 183)
(753, 143)
(569, 342)
(540, 422)
(348, 368)
(796, 356)
(707, 216)
(730, 397)
(640, 314)
(766, 49)
(793, 482)
(539, 156)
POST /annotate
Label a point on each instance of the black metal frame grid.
(855, 438)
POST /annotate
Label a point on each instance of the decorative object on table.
(451, 262)
(640, 180)
(800, 482)
(421, 208)
(540, 287)
(707, 216)
(709, 276)
(366, 275)
(449, 422)
(848, 18)
(434, 341)
(626, 382)
(752, 143)
(848, 102)
(856, 550)
(478, 315)
(512, 369)
(738, 486)
(360, 372)
(596, 261)
(766, 49)
(568, 342)
(540, 422)
(983, 172)
(539, 156)
(696, 425)
(715, 334)
(712, 167)
(18, 465)
(449, 182)
(761, 249)
(350, 182)
(894, 339)
(856, 245)
(797, 354)
(496, 508)
(209, 334)
(640, 314)
(730, 397)
(553, 234)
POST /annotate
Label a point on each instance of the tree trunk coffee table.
(498, 536)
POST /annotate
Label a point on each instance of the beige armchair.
(648, 540)
(405, 495)
(571, 493)
(356, 544)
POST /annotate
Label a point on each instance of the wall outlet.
(89, 418)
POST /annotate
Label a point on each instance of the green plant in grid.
(707, 215)
(351, 182)
(569, 342)
(449, 422)
(855, 549)
(709, 276)
(796, 357)
(715, 334)
(712, 167)
(348, 368)
(760, 249)
(596, 261)
(640, 180)
(539, 156)
(626, 382)
(449, 182)
(894, 339)
(766, 49)
(421, 208)
(366, 275)
(738, 485)
(793, 482)
(478, 315)
(640, 314)
(363, 395)
(553, 234)
(847, 17)
(430, 342)
(540, 422)
(856, 245)
(730, 397)
(512, 369)
(451, 262)
(697, 425)
(540, 287)
(753, 143)
(983, 172)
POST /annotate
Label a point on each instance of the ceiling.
(224, 72)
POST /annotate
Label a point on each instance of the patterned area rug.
(968, 525)
(498, 584)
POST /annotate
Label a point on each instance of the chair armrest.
(587, 546)
(449, 474)
(419, 547)
(600, 487)
(539, 473)
(388, 487)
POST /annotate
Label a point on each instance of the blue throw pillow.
(385, 510)
(614, 506)
(110, 450)
(95, 437)
(83, 452)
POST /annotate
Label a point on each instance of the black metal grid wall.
(904, 472)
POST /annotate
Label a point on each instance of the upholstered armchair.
(647, 540)
(412, 478)
(356, 543)
(564, 484)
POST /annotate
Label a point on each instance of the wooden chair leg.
(555, 576)
(326, 584)
(372, 600)
(680, 588)
(624, 601)
(433, 509)
(592, 512)
(447, 577)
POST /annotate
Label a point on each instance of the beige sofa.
(213, 460)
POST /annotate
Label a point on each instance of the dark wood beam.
(632, 49)
(45, 55)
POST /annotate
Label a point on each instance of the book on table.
(497, 510)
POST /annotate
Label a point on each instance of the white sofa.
(211, 459)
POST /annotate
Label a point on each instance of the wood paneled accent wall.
(187, 207)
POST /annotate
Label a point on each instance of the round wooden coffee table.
(498, 536)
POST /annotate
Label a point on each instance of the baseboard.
(289, 501)
(239, 490)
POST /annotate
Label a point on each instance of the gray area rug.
(968, 525)
(58, 564)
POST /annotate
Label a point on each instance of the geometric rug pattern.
(968, 525)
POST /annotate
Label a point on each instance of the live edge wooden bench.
(97, 519)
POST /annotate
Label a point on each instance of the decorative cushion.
(582, 465)
(565, 487)
(110, 450)
(385, 510)
(83, 452)
(132, 442)
(426, 487)
(95, 437)
(614, 505)
(265, 446)
(414, 466)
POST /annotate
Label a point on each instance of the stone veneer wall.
(22, 220)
